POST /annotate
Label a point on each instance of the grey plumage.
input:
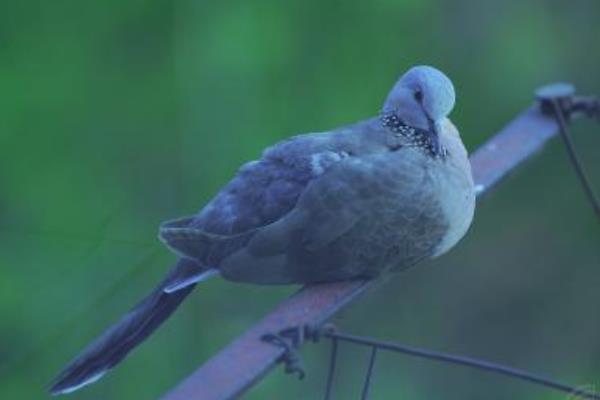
(378, 195)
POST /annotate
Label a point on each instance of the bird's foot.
(290, 340)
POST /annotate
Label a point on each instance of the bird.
(359, 201)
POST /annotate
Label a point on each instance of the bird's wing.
(329, 206)
(295, 248)
(262, 193)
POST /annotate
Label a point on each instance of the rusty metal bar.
(243, 362)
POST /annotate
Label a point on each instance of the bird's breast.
(453, 183)
(426, 214)
(405, 221)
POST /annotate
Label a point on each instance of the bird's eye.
(418, 94)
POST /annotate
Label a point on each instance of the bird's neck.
(415, 137)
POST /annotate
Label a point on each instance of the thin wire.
(331, 372)
(367, 385)
(465, 361)
(564, 133)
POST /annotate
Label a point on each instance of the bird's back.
(265, 190)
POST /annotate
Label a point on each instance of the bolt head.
(559, 90)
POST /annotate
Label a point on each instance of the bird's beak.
(434, 132)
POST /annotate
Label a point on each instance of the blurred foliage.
(115, 115)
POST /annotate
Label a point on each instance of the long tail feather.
(115, 343)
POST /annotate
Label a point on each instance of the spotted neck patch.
(419, 138)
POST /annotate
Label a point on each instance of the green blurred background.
(116, 115)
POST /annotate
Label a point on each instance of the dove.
(359, 201)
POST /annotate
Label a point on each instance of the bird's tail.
(114, 344)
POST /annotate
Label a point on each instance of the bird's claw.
(290, 340)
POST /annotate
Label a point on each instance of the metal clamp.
(563, 93)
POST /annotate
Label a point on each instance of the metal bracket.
(571, 105)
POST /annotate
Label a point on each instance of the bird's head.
(422, 98)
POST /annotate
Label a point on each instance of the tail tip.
(68, 384)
